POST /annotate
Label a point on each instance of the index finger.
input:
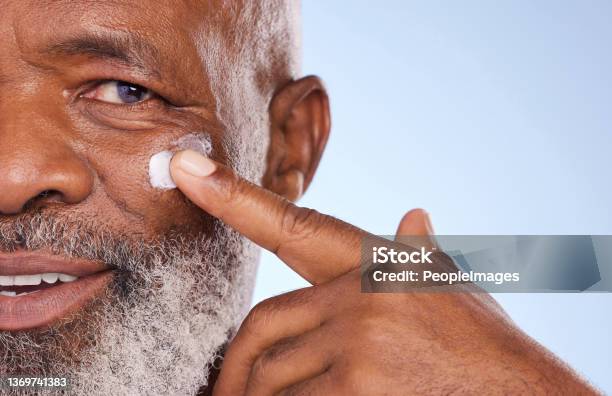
(318, 247)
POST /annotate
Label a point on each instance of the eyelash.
(137, 106)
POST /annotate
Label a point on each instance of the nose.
(35, 171)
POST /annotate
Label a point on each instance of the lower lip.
(46, 306)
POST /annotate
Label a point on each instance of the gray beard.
(159, 327)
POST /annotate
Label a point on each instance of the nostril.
(42, 198)
(49, 195)
(45, 194)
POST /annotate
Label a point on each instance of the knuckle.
(259, 317)
(234, 189)
(299, 222)
(279, 352)
(369, 322)
(356, 380)
(264, 313)
(259, 370)
(296, 298)
(267, 363)
(372, 328)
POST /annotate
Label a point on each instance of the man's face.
(89, 91)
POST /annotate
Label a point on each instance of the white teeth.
(35, 280)
(67, 278)
(50, 277)
(27, 280)
(31, 280)
(7, 280)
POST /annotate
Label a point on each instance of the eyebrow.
(122, 47)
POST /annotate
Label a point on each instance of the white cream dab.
(159, 164)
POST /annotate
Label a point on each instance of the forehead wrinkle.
(123, 47)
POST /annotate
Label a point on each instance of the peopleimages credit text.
(386, 255)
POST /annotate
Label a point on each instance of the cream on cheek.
(159, 164)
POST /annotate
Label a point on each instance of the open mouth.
(38, 289)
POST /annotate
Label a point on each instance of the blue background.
(494, 116)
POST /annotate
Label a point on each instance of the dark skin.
(67, 147)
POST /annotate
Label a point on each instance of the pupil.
(130, 93)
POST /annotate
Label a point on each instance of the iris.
(131, 93)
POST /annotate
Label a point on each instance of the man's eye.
(119, 92)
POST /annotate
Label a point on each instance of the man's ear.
(299, 126)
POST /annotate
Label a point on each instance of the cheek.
(125, 197)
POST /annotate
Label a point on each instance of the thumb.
(416, 223)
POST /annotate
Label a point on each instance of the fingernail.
(194, 163)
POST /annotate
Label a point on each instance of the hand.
(331, 339)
